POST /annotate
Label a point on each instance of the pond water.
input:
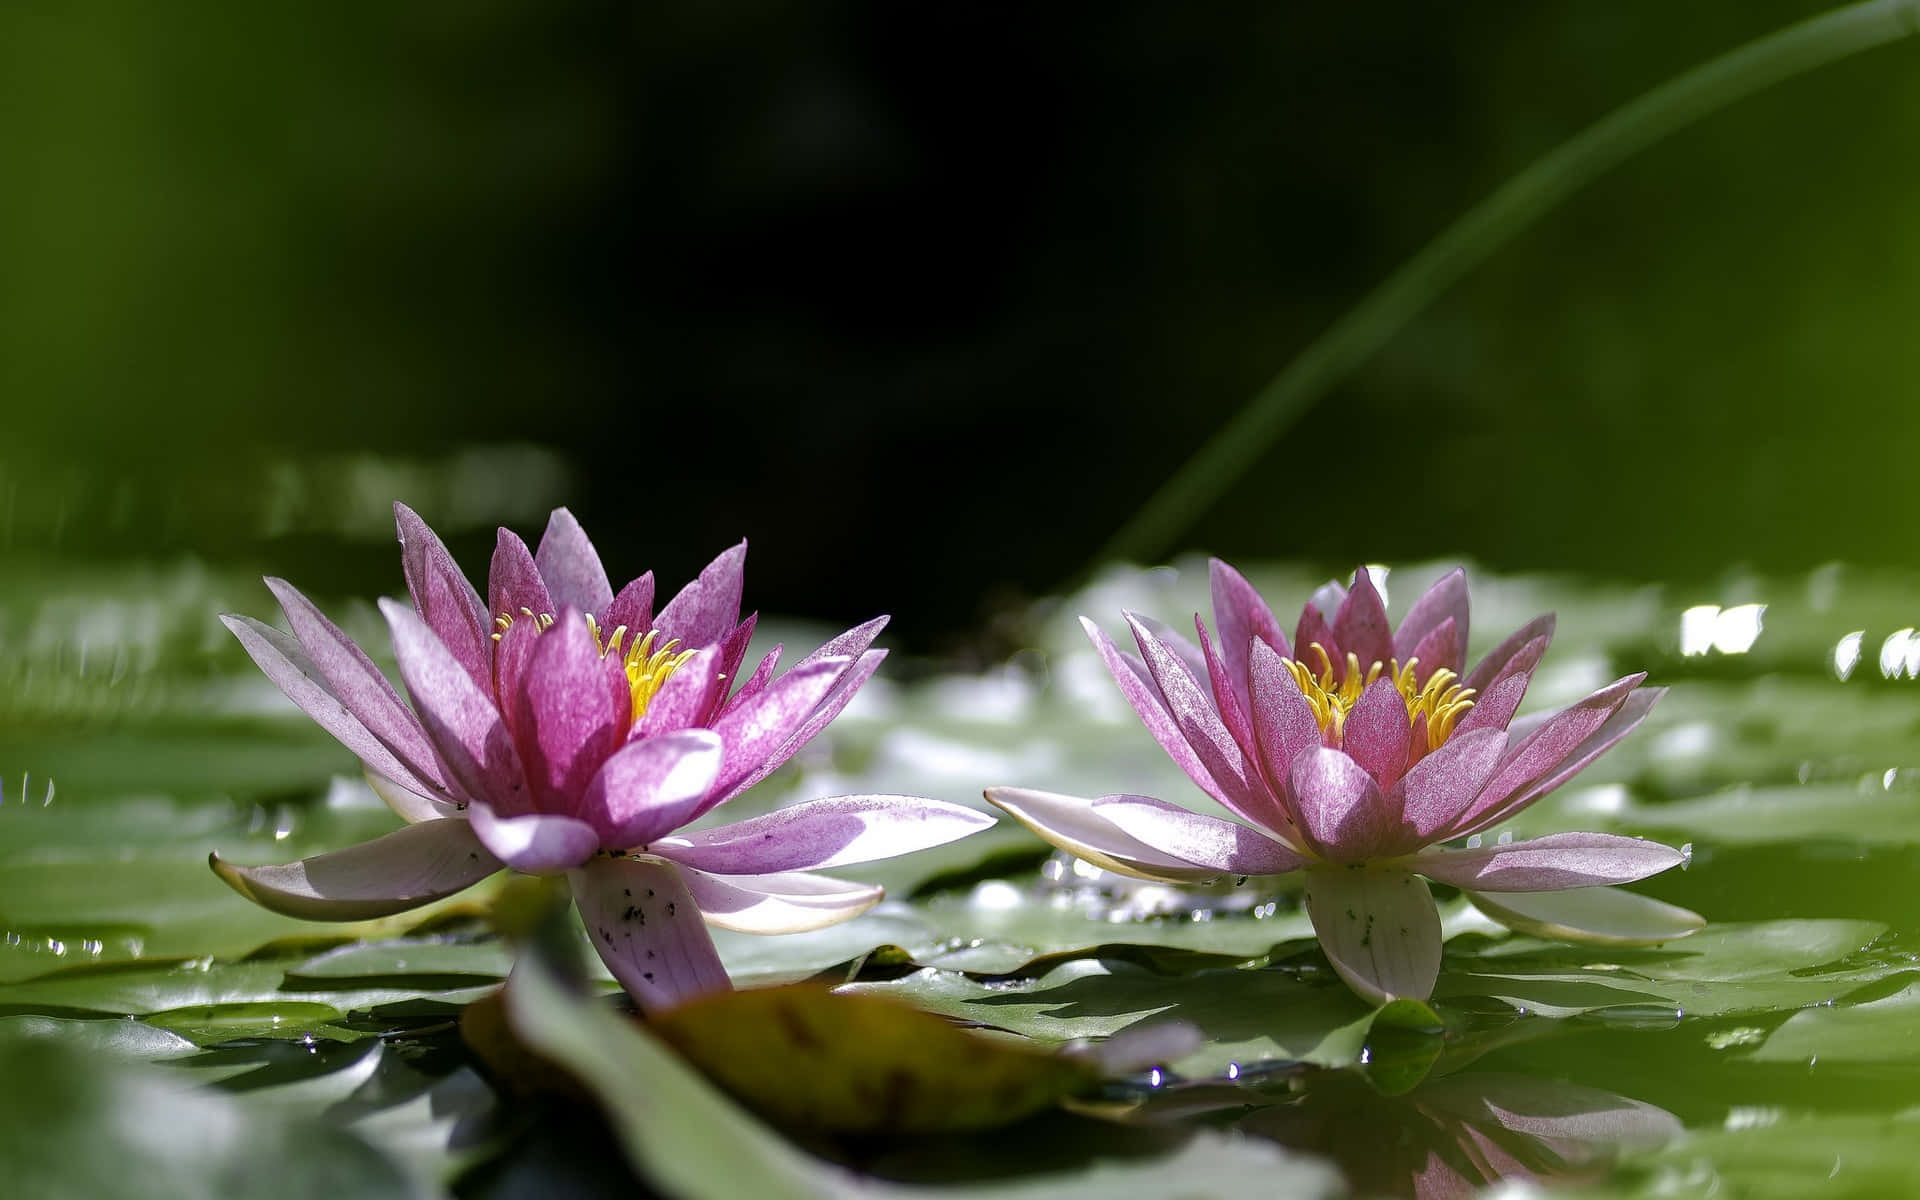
(159, 1035)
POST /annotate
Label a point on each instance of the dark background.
(926, 300)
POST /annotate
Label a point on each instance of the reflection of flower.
(1454, 1136)
(1353, 755)
(561, 727)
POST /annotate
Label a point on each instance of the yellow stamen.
(1440, 700)
(647, 668)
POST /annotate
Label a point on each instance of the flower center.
(1440, 700)
(647, 665)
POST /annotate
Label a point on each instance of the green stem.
(1472, 238)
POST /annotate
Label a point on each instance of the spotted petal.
(412, 866)
(646, 926)
(1379, 929)
(1074, 825)
(824, 833)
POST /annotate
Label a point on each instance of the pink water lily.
(1352, 753)
(557, 726)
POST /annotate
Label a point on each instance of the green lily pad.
(77, 1124)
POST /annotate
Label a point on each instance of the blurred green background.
(927, 300)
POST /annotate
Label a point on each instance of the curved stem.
(1472, 238)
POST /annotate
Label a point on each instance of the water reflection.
(1454, 1135)
(1707, 627)
(1846, 654)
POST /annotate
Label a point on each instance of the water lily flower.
(1354, 752)
(558, 727)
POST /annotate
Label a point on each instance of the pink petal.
(652, 787)
(646, 925)
(443, 597)
(1539, 756)
(1496, 661)
(459, 718)
(1361, 626)
(1227, 699)
(1264, 807)
(536, 843)
(1560, 860)
(1494, 708)
(1283, 722)
(1199, 724)
(1341, 811)
(1138, 687)
(1312, 631)
(733, 650)
(1379, 929)
(784, 902)
(1223, 846)
(1172, 641)
(571, 711)
(1441, 785)
(707, 609)
(633, 608)
(511, 656)
(756, 682)
(757, 730)
(1445, 601)
(1241, 615)
(822, 715)
(824, 833)
(1619, 725)
(351, 676)
(412, 866)
(688, 697)
(1074, 825)
(571, 566)
(1440, 648)
(851, 644)
(1377, 733)
(514, 584)
(285, 662)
